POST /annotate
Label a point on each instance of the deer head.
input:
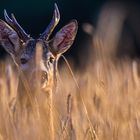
(23, 48)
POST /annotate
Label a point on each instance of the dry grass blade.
(82, 100)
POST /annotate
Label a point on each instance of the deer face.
(26, 59)
(23, 48)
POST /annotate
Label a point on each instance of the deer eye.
(51, 59)
(23, 61)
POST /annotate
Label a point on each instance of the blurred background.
(35, 15)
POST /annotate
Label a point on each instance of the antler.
(15, 25)
(52, 25)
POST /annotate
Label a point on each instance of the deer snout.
(44, 76)
(39, 75)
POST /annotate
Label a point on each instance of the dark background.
(35, 15)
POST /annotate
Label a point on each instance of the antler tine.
(53, 23)
(14, 24)
(19, 28)
(7, 18)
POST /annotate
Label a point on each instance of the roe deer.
(22, 49)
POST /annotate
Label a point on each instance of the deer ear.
(64, 38)
(9, 38)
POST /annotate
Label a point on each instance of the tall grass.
(100, 102)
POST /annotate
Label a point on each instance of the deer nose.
(44, 76)
(41, 75)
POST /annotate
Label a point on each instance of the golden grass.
(104, 105)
